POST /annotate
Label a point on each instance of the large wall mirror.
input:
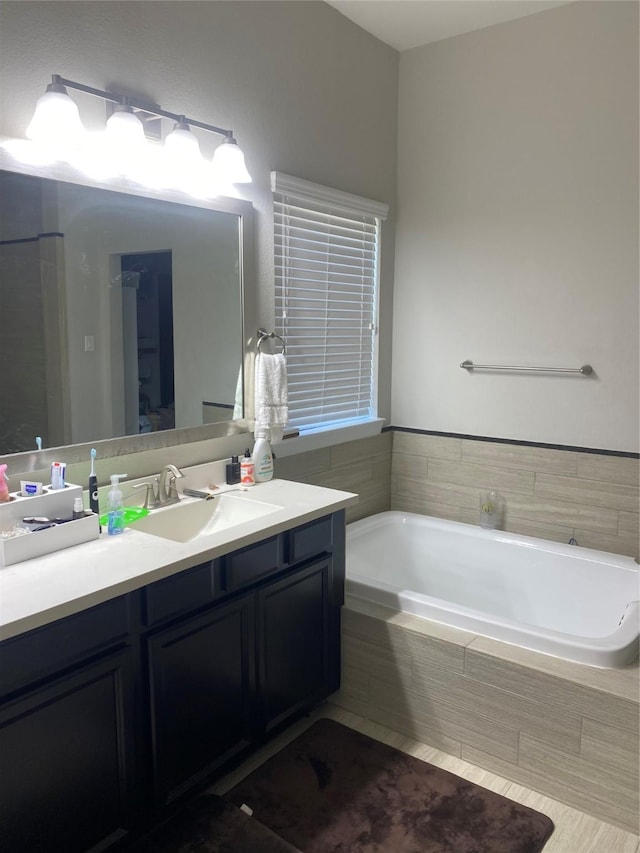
(122, 316)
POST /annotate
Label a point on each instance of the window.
(327, 246)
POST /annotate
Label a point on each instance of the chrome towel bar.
(585, 370)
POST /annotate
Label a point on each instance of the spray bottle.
(4, 488)
(115, 507)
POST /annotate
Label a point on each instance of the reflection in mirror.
(119, 314)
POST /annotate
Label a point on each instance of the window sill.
(320, 438)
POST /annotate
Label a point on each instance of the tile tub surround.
(567, 730)
(550, 493)
(362, 467)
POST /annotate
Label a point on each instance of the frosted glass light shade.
(228, 163)
(124, 128)
(182, 142)
(56, 119)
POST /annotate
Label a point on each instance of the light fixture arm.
(154, 109)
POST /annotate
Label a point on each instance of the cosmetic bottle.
(4, 488)
(262, 458)
(78, 508)
(247, 474)
(233, 471)
(115, 507)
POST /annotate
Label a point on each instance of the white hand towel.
(272, 411)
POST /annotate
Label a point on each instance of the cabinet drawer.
(309, 540)
(39, 653)
(252, 563)
(182, 592)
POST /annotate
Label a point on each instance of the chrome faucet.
(152, 496)
(168, 493)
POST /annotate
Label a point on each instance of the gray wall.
(517, 230)
(305, 91)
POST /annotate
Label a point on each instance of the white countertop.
(36, 592)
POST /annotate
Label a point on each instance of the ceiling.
(404, 24)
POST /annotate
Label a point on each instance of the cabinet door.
(65, 756)
(293, 642)
(201, 688)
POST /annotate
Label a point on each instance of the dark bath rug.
(334, 790)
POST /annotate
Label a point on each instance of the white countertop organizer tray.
(52, 503)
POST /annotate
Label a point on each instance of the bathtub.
(562, 600)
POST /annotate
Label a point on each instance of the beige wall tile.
(302, 464)
(368, 506)
(354, 682)
(415, 729)
(623, 682)
(512, 524)
(578, 799)
(426, 445)
(481, 476)
(618, 748)
(570, 697)
(566, 514)
(347, 477)
(364, 448)
(394, 667)
(422, 506)
(403, 642)
(605, 542)
(439, 493)
(613, 469)
(629, 525)
(604, 782)
(561, 729)
(444, 717)
(406, 465)
(592, 493)
(519, 456)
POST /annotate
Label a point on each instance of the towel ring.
(262, 335)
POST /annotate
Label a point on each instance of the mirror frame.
(36, 460)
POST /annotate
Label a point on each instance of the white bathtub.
(562, 600)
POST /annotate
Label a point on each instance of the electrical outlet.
(89, 345)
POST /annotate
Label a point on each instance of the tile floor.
(575, 832)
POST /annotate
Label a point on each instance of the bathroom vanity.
(189, 655)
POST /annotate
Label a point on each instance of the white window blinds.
(326, 246)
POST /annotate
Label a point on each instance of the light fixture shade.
(182, 142)
(56, 118)
(124, 128)
(228, 162)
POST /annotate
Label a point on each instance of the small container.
(58, 471)
(491, 509)
(262, 459)
(78, 508)
(115, 507)
(233, 471)
(29, 488)
(247, 472)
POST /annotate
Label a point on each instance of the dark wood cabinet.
(201, 695)
(293, 643)
(65, 752)
(110, 715)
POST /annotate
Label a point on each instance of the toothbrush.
(93, 485)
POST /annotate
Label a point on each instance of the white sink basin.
(193, 519)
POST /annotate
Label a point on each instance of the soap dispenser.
(115, 507)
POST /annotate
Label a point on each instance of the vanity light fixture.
(57, 121)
